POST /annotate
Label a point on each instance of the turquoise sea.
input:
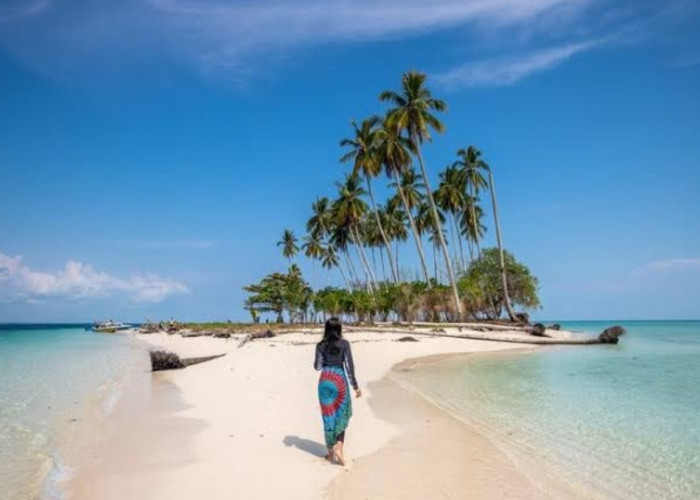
(613, 421)
(53, 378)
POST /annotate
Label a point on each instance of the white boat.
(110, 327)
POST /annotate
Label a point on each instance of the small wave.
(59, 474)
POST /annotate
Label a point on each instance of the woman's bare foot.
(330, 456)
(338, 453)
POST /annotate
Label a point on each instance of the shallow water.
(52, 377)
(620, 421)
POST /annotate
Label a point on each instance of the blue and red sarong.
(336, 405)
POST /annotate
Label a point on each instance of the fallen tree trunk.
(166, 360)
(609, 336)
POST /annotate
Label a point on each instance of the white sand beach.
(247, 425)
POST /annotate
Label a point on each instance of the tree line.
(479, 283)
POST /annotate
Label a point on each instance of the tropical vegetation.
(361, 234)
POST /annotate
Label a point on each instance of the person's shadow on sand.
(306, 445)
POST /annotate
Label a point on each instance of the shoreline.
(227, 429)
(423, 451)
(437, 454)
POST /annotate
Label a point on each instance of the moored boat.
(110, 327)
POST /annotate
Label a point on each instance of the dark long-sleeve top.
(336, 353)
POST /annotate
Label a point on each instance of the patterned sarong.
(336, 406)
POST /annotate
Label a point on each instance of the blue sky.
(152, 151)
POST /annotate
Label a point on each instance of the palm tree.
(363, 153)
(321, 225)
(394, 151)
(426, 225)
(470, 162)
(348, 210)
(339, 239)
(451, 198)
(395, 222)
(412, 112)
(288, 244)
(504, 279)
(329, 260)
(313, 249)
(470, 223)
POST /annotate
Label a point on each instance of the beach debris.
(257, 335)
(408, 338)
(611, 335)
(538, 330)
(222, 335)
(191, 334)
(555, 326)
(437, 330)
(166, 360)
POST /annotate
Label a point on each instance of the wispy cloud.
(233, 37)
(669, 265)
(15, 9)
(497, 72)
(76, 280)
(227, 35)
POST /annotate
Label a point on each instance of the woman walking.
(334, 359)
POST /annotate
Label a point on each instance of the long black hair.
(332, 332)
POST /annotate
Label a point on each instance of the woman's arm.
(350, 366)
(318, 360)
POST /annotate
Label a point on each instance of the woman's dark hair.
(332, 332)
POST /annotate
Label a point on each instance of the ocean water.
(53, 378)
(612, 421)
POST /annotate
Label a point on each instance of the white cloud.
(229, 35)
(508, 71)
(670, 265)
(78, 280)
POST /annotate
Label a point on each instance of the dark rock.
(611, 335)
(522, 317)
(407, 339)
(538, 330)
(165, 360)
(555, 326)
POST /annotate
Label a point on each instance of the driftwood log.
(257, 335)
(166, 360)
(609, 336)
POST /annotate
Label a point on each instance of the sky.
(153, 151)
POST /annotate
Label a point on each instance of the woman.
(334, 358)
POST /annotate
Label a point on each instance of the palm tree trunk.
(351, 267)
(459, 239)
(413, 227)
(396, 250)
(381, 229)
(437, 278)
(504, 279)
(381, 259)
(345, 278)
(374, 261)
(455, 237)
(371, 283)
(313, 273)
(441, 239)
(474, 221)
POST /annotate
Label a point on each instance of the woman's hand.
(358, 392)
